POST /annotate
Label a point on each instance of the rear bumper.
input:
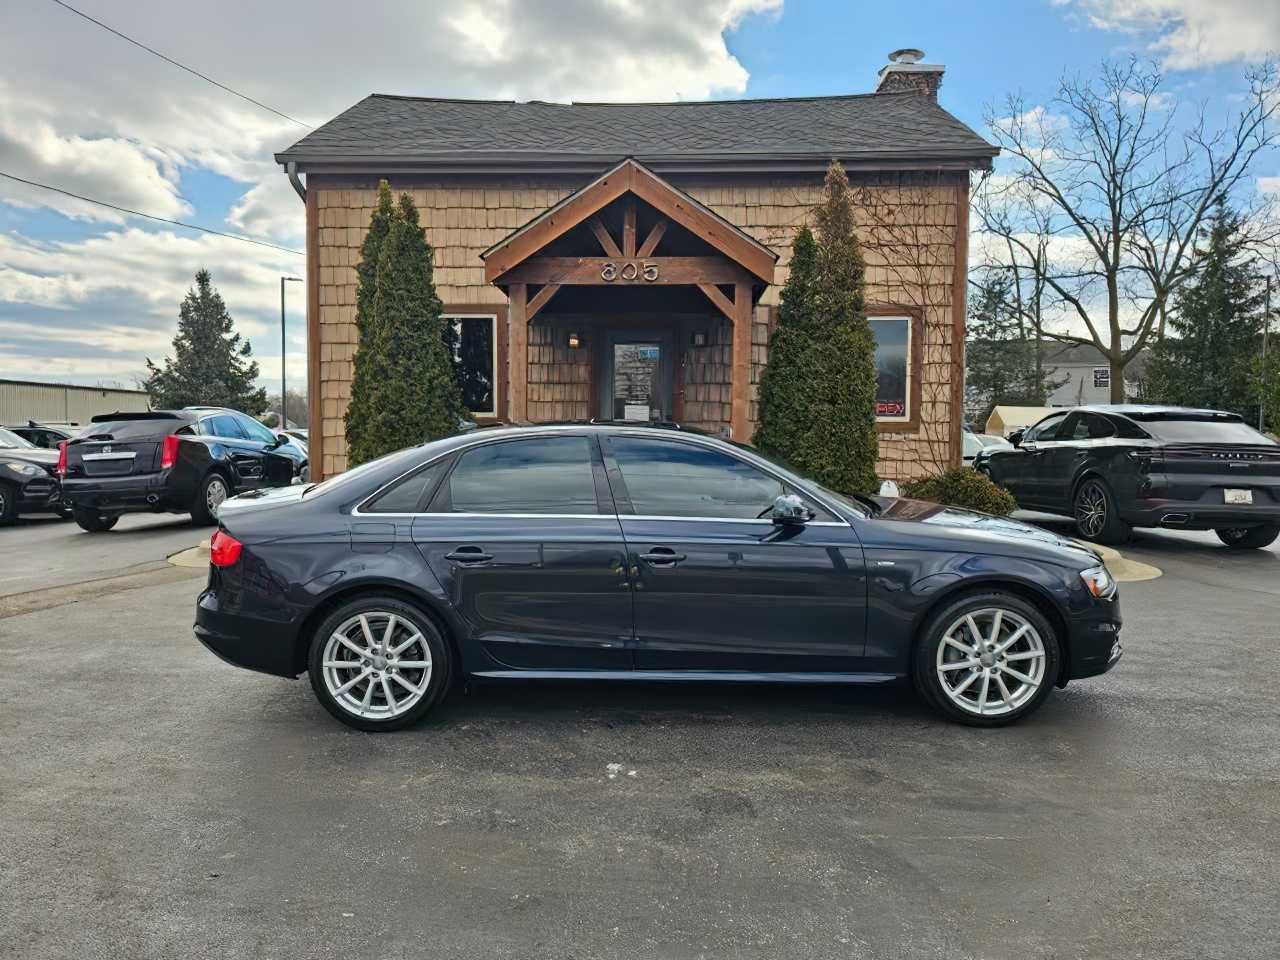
(123, 494)
(1199, 515)
(267, 646)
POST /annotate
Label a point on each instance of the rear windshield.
(1204, 431)
(142, 428)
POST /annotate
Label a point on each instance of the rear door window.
(408, 494)
(538, 475)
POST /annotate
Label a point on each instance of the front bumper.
(1094, 640)
(122, 494)
(40, 494)
(267, 646)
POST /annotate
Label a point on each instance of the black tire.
(8, 504)
(1097, 515)
(65, 513)
(202, 512)
(411, 619)
(932, 637)
(92, 521)
(1248, 538)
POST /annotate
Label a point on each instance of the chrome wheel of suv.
(991, 661)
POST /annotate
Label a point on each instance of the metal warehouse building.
(23, 400)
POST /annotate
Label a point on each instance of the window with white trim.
(893, 367)
(475, 361)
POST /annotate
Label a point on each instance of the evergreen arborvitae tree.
(364, 372)
(1207, 357)
(413, 398)
(210, 363)
(818, 412)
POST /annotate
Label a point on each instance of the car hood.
(973, 525)
(264, 499)
(45, 458)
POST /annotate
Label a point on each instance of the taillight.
(61, 468)
(224, 549)
(169, 451)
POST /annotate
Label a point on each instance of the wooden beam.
(740, 377)
(518, 354)
(621, 272)
(606, 241)
(653, 239)
(629, 228)
(539, 300)
(722, 303)
(315, 391)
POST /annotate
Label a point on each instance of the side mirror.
(789, 509)
(1016, 437)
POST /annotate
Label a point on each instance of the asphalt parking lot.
(158, 803)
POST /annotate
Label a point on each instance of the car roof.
(1152, 410)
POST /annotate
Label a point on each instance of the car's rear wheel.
(1097, 517)
(379, 663)
(8, 504)
(94, 522)
(1248, 538)
(986, 659)
(213, 490)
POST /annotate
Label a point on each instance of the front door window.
(637, 381)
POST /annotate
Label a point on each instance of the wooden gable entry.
(729, 277)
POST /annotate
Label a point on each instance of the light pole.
(1266, 323)
(283, 280)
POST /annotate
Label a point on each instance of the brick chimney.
(904, 71)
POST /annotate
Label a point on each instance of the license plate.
(1237, 496)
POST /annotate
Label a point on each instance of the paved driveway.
(158, 803)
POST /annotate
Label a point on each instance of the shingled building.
(624, 261)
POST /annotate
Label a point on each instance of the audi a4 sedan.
(612, 552)
(1115, 467)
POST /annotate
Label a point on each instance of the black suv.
(170, 461)
(1115, 467)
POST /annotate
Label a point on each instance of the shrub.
(962, 487)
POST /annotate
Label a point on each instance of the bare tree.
(1108, 188)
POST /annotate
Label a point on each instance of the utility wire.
(180, 66)
(148, 216)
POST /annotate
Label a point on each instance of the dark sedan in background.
(28, 479)
(174, 461)
(639, 553)
(1117, 467)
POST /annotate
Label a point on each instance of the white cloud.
(1192, 33)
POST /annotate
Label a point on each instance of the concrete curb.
(195, 557)
(1120, 566)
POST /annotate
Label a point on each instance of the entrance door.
(637, 381)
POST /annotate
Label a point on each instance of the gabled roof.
(805, 132)
(634, 178)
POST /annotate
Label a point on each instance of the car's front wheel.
(379, 663)
(92, 521)
(1249, 538)
(986, 659)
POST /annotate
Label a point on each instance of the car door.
(1076, 440)
(718, 586)
(278, 467)
(234, 450)
(1035, 448)
(523, 537)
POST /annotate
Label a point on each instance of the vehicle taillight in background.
(224, 549)
(169, 451)
(61, 468)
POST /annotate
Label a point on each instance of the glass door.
(638, 381)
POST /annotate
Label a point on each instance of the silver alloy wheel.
(214, 493)
(1091, 509)
(991, 661)
(376, 665)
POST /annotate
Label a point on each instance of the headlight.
(1099, 582)
(23, 469)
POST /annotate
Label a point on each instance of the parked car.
(299, 439)
(46, 435)
(28, 479)
(1114, 467)
(975, 443)
(637, 553)
(170, 461)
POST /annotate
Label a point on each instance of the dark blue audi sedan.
(616, 552)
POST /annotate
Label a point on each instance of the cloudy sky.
(86, 294)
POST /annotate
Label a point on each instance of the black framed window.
(475, 361)
(1046, 429)
(670, 479)
(538, 475)
(893, 366)
(408, 494)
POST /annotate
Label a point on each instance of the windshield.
(10, 439)
(1206, 431)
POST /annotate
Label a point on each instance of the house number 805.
(628, 271)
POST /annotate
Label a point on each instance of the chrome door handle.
(661, 556)
(468, 554)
